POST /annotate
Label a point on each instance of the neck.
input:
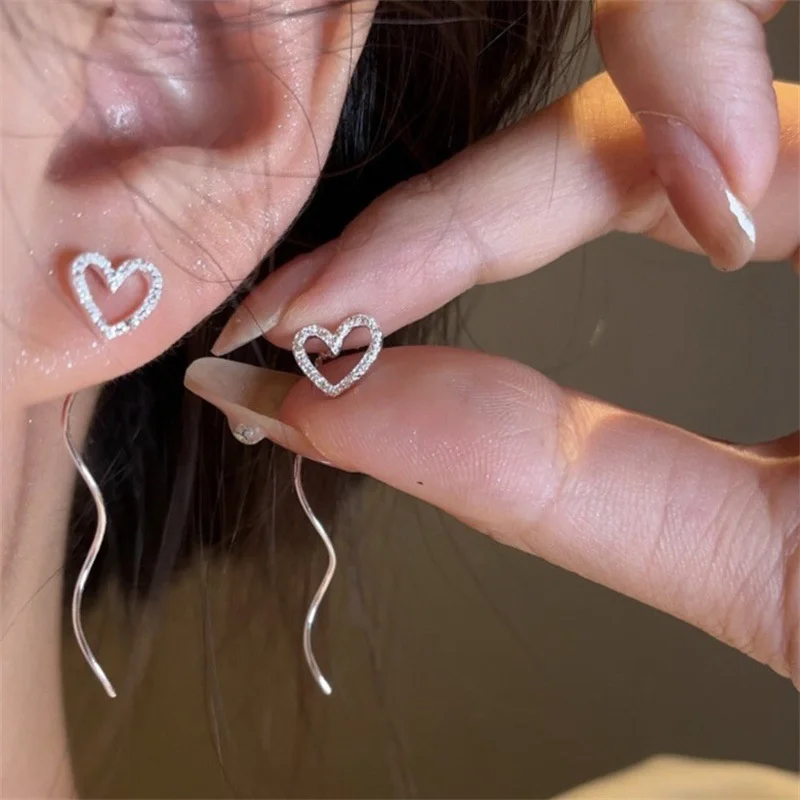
(37, 483)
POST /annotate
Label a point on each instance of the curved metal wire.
(326, 580)
(94, 549)
(99, 536)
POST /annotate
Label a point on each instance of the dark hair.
(435, 76)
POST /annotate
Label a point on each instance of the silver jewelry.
(114, 279)
(94, 549)
(334, 343)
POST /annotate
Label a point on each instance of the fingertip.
(241, 329)
(699, 191)
(266, 306)
(251, 399)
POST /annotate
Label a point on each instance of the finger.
(504, 207)
(698, 77)
(701, 530)
(777, 216)
(250, 404)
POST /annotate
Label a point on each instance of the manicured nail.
(251, 398)
(261, 311)
(699, 191)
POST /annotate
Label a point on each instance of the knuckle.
(761, 616)
(420, 188)
(406, 204)
(518, 462)
(740, 549)
(789, 577)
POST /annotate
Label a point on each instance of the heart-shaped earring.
(114, 279)
(334, 342)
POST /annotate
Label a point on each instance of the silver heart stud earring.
(334, 342)
(114, 279)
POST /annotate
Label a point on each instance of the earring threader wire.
(114, 278)
(94, 548)
(326, 580)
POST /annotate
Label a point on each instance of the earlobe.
(205, 206)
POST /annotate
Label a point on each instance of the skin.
(110, 144)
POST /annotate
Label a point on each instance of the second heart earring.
(334, 342)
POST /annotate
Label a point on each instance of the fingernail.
(251, 398)
(262, 309)
(699, 191)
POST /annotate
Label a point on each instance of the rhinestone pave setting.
(247, 435)
(114, 279)
(334, 342)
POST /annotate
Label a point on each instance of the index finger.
(504, 207)
(702, 530)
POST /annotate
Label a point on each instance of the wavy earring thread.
(319, 595)
(94, 548)
(334, 342)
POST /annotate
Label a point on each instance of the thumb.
(697, 76)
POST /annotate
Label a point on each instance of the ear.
(199, 131)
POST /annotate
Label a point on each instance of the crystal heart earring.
(114, 279)
(334, 342)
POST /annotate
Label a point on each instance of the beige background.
(468, 670)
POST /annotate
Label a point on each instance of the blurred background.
(461, 668)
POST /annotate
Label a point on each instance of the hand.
(705, 531)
